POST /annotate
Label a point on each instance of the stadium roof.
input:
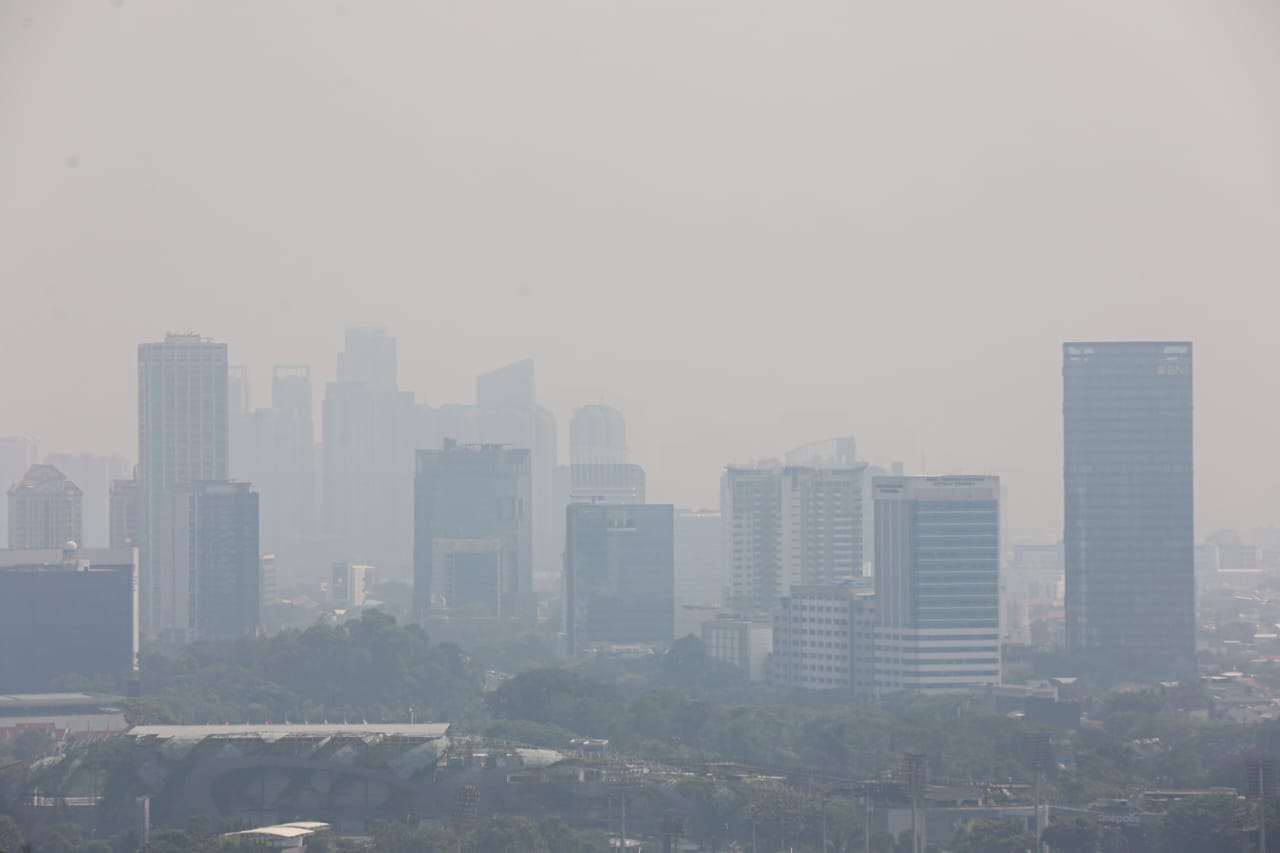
(426, 731)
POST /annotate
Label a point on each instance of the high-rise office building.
(937, 581)
(44, 509)
(473, 492)
(17, 454)
(786, 525)
(71, 611)
(214, 587)
(182, 438)
(94, 475)
(619, 575)
(368, 442)
(1129, 533)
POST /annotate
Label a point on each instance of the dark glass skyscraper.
(1127, 430)
(619, 575)
(477, 494)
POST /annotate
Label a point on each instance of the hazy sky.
(747, 224)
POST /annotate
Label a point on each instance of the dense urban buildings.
(1129, 505)
(67, 612)
(369, 437)
(788, 525)
(619, 575)
(44, 509)
(824, 639)
(474, 492)
(182, 438)
(937, 582)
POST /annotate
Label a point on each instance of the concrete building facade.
(744, 641)
(824, 639)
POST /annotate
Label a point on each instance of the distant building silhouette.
(507, 413)
(182, 438)
(477, 493)
(126, 512)
(937, 582)
(94, 475)
(277, 453)
(1129, 504)
(44, 509)
(368, 444)
(619, 575)
(17, 454)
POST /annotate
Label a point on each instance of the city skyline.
(259, 399)
(904, 249)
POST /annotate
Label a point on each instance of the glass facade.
(619, 579)
(937, 576)
(474, 492)
(1129, 507)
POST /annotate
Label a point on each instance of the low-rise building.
(824, 639)
(67, 612)
(744, 641)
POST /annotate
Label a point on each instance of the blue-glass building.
(937, 576)
(1129, 504)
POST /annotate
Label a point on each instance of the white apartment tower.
(787, 525)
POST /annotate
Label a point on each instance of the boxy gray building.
(473, 492)
(619, 575)
(72, 611)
